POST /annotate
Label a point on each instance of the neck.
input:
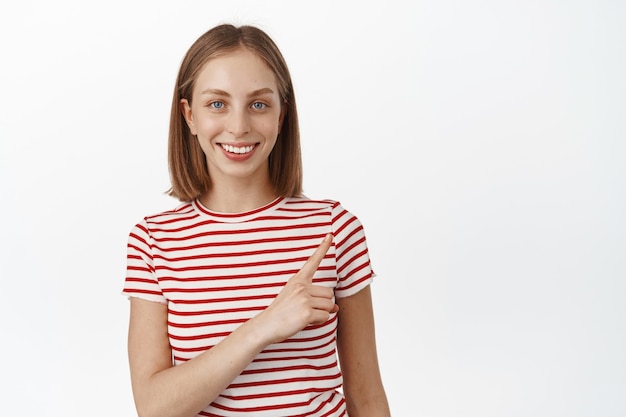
(238, 198)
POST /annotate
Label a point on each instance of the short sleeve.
(354, 269)
(141, 279)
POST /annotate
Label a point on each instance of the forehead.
(238, 70)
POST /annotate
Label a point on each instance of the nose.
(238, 123)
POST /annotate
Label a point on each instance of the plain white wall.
(482, 144)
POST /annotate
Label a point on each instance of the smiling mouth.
(237, 149)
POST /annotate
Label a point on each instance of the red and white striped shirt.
(215, 271)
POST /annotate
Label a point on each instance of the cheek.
(204, 143)
(271, 125)
(208, 129)
(208, 126)
(270, 129)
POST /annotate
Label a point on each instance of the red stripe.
(357, 282)
(353, 260)
(223, 300)
(296, 350)
(221, 289)
(286, 272)
(173, 220)
(204, 324)
(354, 271)
(346, 250)
(138, 291)
(274, 407)
(235, 254)
(143, 280)
(281, 359)
(279, 381)
(290, 368)
(241, 242)
(219, 311)
(233, 265)
(237, 232)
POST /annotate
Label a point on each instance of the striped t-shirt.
(216, 270)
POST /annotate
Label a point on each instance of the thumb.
(308, 269)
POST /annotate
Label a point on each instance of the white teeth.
(236, 149)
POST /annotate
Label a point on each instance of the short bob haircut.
(189, 174)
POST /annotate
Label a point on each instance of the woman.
(245, 296)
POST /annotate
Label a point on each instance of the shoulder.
(165, 219)
(333, 208)
(181, 211)
(306, 203)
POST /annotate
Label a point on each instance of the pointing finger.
(314, 261)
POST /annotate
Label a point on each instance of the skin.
(236, 102)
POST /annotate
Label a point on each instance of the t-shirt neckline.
(237, 217)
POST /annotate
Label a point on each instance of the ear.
(185, 109)
(283, 112)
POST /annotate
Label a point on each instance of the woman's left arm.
(356, 343)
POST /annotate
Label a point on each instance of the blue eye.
(257, 105)
(218, 105)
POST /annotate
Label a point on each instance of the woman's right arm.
(159, 388)
(163, 390)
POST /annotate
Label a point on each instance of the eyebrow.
(218, 92)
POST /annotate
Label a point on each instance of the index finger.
(314, 260)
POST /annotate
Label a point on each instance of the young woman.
(248, 298)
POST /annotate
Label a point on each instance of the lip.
(238, 156)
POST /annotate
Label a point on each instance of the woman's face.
(236, 113)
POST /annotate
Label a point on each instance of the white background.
(481, 143)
